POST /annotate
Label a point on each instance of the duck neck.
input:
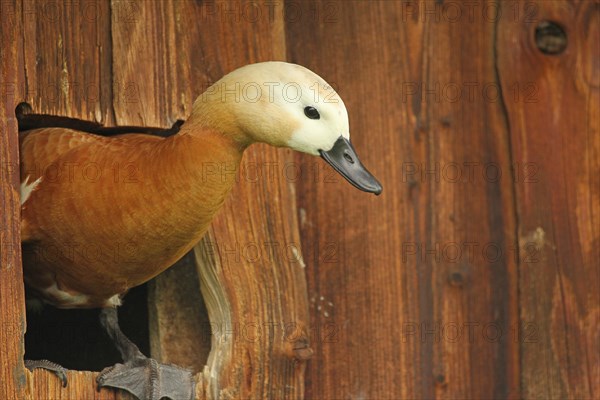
(211, 113)
(209, 160)
(203, 159)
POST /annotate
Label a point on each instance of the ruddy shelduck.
(100, 215)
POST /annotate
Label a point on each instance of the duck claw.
(145, 378)
(58, 370)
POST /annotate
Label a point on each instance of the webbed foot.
(145, 378)
(59, 370)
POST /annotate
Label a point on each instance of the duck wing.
(39, 150)
(41, 147)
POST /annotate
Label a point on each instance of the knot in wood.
(550, 38)
(301, 349)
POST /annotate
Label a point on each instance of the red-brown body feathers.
(107, 214)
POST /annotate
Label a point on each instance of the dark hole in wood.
(456, 279)
(28, 120)
(74, 338)
(440, 379)
(550, 38)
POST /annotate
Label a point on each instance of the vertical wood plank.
(253, 284)
(12, 310)
(557, 136)
(415, 305)
(67, 61)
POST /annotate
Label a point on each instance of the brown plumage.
(103, 214)
(112, 213)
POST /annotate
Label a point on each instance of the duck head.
(286, 105)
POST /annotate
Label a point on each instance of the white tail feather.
(27, 188)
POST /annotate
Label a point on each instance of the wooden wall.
(474, 275)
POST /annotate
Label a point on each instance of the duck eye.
(311, 112)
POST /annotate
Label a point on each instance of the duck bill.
(344, 160)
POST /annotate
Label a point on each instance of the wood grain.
(557, 134)
(82, 384)
(67, 62)
(412, 304)
(12, 305)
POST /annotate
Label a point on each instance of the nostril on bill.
(348, 158)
